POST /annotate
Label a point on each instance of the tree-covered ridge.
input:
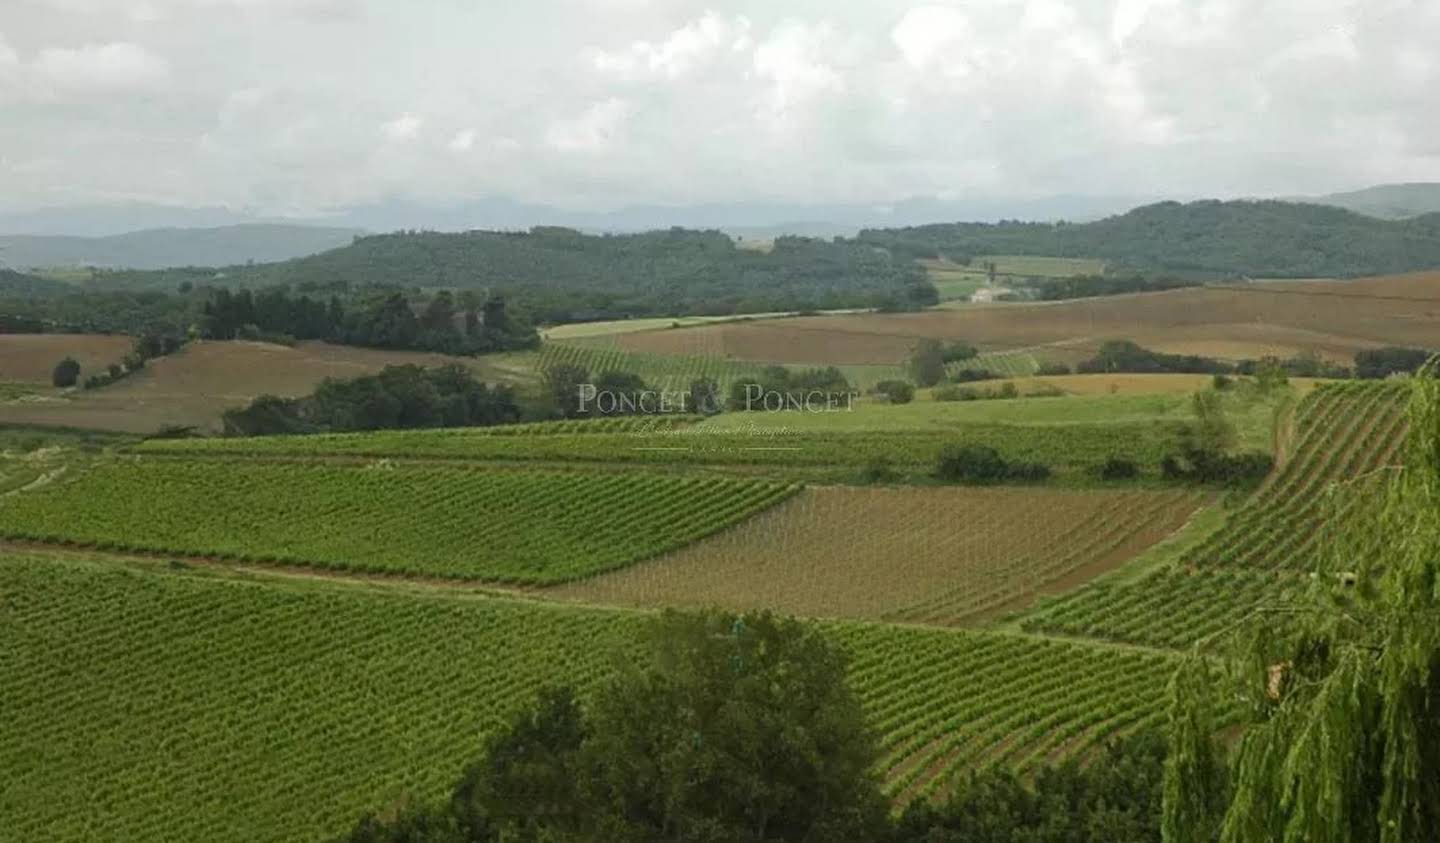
(19, 284)
(1207, 238)
(562, 275)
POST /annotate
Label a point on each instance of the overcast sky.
(289, 106)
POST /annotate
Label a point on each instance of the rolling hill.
(1388, 201)
(167, 247)
(1204, 239)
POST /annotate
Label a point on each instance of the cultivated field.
(31, 358)
(197, 384)
(1265, 551)
(1231, 321)
(940, 556)
(500, 526)
(1070, 450)
(268, 709)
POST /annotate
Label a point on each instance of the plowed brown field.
(1335, 319)
(202, 380)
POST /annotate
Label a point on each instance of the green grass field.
(502, 526)
(190, 705)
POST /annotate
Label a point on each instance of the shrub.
(67, 372)
(896, 392)
(972, 375)
(970, 464)
(1221, 382)
(1119, 468)
(1008, 390)
(954, 393)
(879, 470)
(1053, 369)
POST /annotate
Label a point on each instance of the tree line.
(1198, 240)
(398, 397)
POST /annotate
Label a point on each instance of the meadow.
(269, 709)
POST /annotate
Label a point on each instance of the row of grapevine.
(268, 710)
(1059, 446)
(1344, 434)
(1026, 700)
(1006, 364)
(944, 556)
(1128, 523)
(661, 371)
(1171, 607)
(502, 526)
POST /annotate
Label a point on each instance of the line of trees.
(398, 397)
(449, 324)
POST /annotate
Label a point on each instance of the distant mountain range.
(167, 247)
(1387, 201)
(147, 236)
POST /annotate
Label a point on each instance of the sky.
(292, 106)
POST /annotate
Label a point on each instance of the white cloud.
(264, 103)
(463, 141)
(598, 127)
(680, 52)
(406, 127)
(100, 67)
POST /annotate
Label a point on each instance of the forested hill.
(561, 275)
(19, 284)
(1208, 238)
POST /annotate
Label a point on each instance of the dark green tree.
(67, 372)
(927, 362)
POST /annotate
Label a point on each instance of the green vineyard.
(1075, 446)
(661, 371)
(676, 371)
(339, 699)
(501, 526)
(1172, 607)
(1342, 434)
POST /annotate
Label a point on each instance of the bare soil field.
(1335, 319)
(944, 556)
(31, 358)
(197, 384)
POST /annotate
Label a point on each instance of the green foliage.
(398, 397)
(306, 704)
(979, 465)
(1343, 740)
(66, 373)
(1126, 356)
(927, 362)
(1266, 239)
(896, 392)
(1195, 789)
(1088, 286)
(1383, 362)
(560, 275)
(1077, 447)
(511, 526)
(1115, 798)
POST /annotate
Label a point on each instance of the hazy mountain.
(754, 219)
(167, 247)
(1388, 201)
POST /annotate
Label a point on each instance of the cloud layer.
(289, 106)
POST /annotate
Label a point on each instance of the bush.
(1053, 369)
(67, 372)
(972, 375)
(954, 393)
(1008, 390)
(1220, 382)
(1119, 468)
(896, 392)
(977, 464)
(879, 470)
